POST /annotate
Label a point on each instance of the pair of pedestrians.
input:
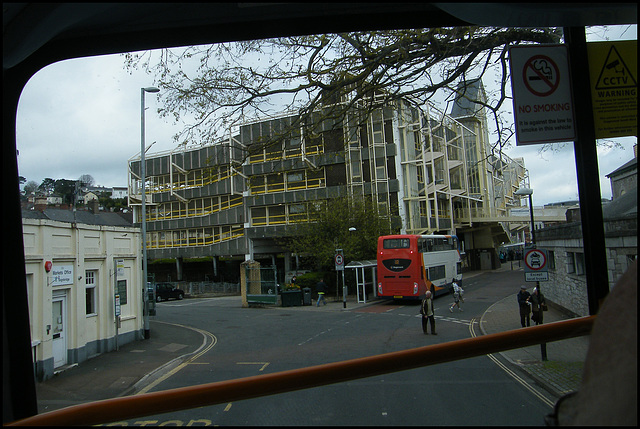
(427, 311)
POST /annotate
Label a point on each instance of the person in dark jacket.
(428, 314)
(537, 303)
(321, 288)
(525, 306)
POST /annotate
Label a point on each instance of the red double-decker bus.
(409, 265)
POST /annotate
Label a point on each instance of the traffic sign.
(339, 259)
(541, 87)
(535, 265)
(535, 260)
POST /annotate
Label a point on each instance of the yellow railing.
(184, 211)
(289, 186)
(199, 240)
(287, 154)
(222, 392)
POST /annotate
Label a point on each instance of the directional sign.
(535, 265)
(541, 86)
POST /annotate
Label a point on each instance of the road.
(247, 342)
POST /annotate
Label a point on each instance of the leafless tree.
(222, 85)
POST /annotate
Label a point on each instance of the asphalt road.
(247, 342)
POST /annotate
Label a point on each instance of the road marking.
(314, 337)
(228, 407)
(264, 364)
(203, 349)
(515, 376)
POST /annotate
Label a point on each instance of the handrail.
(117, 409)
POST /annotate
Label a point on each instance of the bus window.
(437, 272)
(396, 243)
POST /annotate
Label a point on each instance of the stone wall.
(569, 290)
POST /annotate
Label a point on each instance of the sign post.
(117, 314)
(535, 266)
(339, 260)
(542, 102)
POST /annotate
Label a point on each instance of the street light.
(145, 293)
(529, 192)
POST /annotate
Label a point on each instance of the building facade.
(567, 285)
(76, 262)
(428, 171)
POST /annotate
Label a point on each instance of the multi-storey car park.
(429, 171)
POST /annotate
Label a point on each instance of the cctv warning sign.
(613, 71)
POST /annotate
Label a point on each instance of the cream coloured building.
(74, 262)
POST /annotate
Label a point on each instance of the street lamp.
(529, 192)
(145, 293)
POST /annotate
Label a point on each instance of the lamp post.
(529, 192)
(145, 292)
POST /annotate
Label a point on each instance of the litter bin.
(306, 296)
(291, 298)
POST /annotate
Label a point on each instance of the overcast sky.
(82, 116)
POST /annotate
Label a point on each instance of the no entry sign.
(541, 94)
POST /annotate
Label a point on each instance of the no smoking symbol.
(541, 76)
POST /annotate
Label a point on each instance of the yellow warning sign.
(613, 70)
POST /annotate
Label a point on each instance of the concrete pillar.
(179, 264)
(250, 282)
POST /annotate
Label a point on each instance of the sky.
(82, 116)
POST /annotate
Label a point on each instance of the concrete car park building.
(429, 171)
(75, 262)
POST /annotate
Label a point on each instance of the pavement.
(128, 370)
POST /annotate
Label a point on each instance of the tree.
(303, 73)
(329, 229)
(47, 186)
(30, 187)
(86, 180)
(66, 189)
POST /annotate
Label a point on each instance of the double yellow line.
(511, 373)
(204, 348)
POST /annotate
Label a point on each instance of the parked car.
(164, 291)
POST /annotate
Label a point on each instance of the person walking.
(321, 288)
(457, 295)
(428, 314)
(537, 306)
(525, 306)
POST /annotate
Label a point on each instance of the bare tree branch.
(217, 86)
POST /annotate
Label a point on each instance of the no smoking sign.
(541, 86)
(541, 76)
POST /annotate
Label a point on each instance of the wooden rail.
(117, 409)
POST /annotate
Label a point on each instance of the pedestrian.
(321, 288)
(426, 309)
(457, 296)
(525, 306)
(538, 303)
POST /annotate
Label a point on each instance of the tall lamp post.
(145, 292)
(529, 192)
